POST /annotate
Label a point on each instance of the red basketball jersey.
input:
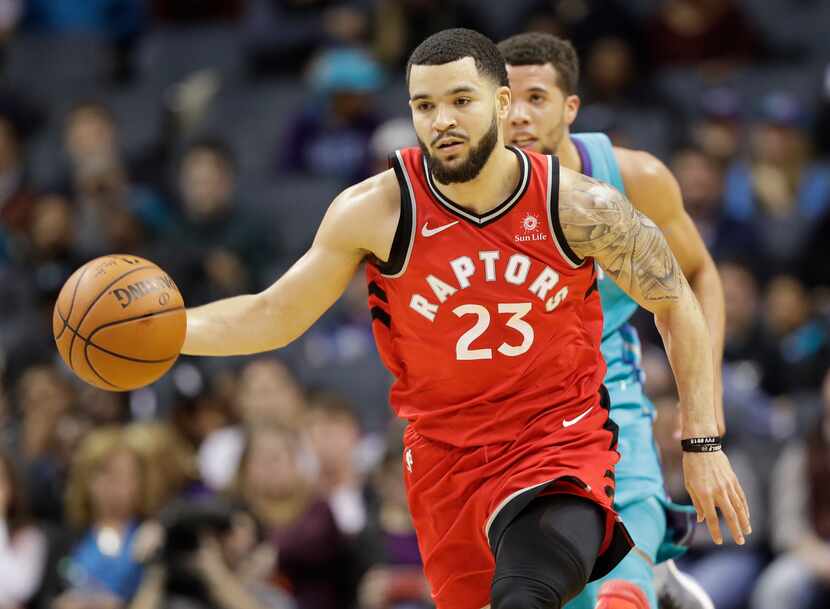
(488, 322)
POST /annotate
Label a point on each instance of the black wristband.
(703, 444)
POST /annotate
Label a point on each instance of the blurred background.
(210, 136)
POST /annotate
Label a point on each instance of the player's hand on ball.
(713, 486)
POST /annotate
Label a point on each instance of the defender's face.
(453, 111)
(540, 112)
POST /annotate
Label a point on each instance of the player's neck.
(494, 183)
(569, 155)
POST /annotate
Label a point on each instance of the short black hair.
(451, 45)
(537, 49)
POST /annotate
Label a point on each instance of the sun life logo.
(531, 227)
(530, 223)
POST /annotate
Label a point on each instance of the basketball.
(119, 322)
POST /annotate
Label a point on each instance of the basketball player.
(543, 72)
(482, 286)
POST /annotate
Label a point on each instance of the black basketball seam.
(71, 305)
(88, 342)
(93, 303)
(119, 355)
(136, 318)
(91, 367)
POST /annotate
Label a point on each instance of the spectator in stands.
(199, 413)
(749, 411)
(798, 351)
(47, 253)
(15, 194)
(396, 579)
(610, 74)
(702, 32)
(45, 399)
(222, 249)
(330, 136)
(743, 337)
(701, 183)
(114, 214)
(313, 556)
(209, 555)
(267, 393)
(782, 190)
(171, 462)
(107, 498)
(800, 577)
(22, 544)
(282, 35)
(334, 437)
(91, 134)
(718, 129)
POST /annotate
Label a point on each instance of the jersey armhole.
(404, 233)
(553, 215)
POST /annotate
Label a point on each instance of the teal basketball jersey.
(598, 161)
(620, 343)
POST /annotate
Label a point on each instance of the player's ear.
(571, 109)
(503, 98)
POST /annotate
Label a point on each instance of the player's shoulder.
(639, 165)
(580, 194)
(367, 212)
(649, 184)
(375, 195)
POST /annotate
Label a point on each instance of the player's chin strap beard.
(475, 162)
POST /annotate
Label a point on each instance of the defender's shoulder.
(639, 165)
(650, 185)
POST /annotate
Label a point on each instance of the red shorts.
(455, 495)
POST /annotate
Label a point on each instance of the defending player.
(543, 72)
(485, 308)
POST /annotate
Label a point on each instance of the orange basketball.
(119, 322)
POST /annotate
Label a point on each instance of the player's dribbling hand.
(713, 486)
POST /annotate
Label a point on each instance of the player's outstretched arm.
(600, 223)
(360, 221)
(653, 190)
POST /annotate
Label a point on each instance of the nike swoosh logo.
(567, 423)
(429, 232)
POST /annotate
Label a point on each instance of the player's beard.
(469, 169)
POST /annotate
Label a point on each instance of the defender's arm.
(653, 190)
(599, 222)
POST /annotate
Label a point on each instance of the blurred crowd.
(210, 136)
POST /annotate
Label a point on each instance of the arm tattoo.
(599, 222)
